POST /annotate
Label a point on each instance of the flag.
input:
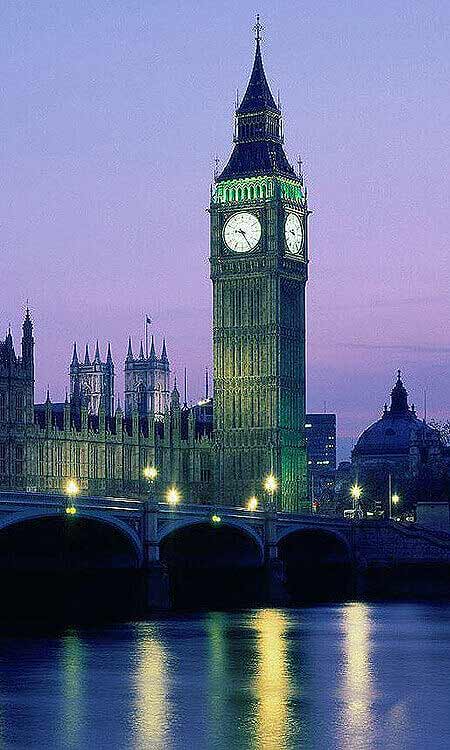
(148, 320)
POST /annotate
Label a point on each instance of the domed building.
(402, 454)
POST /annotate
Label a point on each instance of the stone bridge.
(155, 533)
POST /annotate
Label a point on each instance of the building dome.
(397, 430)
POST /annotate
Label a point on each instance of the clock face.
(293, 232)
(242, 232)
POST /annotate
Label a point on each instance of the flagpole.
(146, 336)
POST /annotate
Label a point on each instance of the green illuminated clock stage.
(293, 233)
(242, 232)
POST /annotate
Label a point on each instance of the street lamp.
(270, 485)
(173, 496)
(355, 492)
(150, 473)
(252, 503)
(395, 499)
(71, 489)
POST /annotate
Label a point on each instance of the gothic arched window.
(2, 406)
(257, 193)
(19, 407)
(245, 194)
(18, 460)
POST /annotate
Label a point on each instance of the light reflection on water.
(350, 677)
(272, 680)
(357, 683)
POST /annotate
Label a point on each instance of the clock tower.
(259, 257)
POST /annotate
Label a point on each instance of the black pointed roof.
(258, 149)
(258, 96)
(253, 158)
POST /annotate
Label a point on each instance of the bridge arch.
(241, 527)
(310, 528)
(317, 561)
(36, 514)
(212, 564)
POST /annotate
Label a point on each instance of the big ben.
(259, 269)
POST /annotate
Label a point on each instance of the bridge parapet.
(367, 541)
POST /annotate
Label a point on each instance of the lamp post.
(150, 509)
(270, 485)
(71, 489)
(395, 499)
(252, 503)
(173, 496)
(355, 492)
(150, 473)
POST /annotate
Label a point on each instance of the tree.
(443, 428)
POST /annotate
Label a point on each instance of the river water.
(353, 676)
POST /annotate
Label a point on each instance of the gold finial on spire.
(258, 27)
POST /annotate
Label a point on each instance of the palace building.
(217, 451)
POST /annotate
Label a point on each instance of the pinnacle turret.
(97, 354)
(175, 396)
(130, 349)
(87, 360)
(27, 324)
(74, 362)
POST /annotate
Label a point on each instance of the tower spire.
(258, 96)
(87, 360)
(258, 145)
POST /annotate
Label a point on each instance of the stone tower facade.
(259, 256)
(16, 404)
(147, 382)
(92, 383)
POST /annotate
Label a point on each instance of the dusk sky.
(112, 113)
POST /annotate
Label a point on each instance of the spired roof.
(258, 146)
(258, 97)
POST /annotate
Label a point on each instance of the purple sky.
(111, 115)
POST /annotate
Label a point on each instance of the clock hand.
(245, 237)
